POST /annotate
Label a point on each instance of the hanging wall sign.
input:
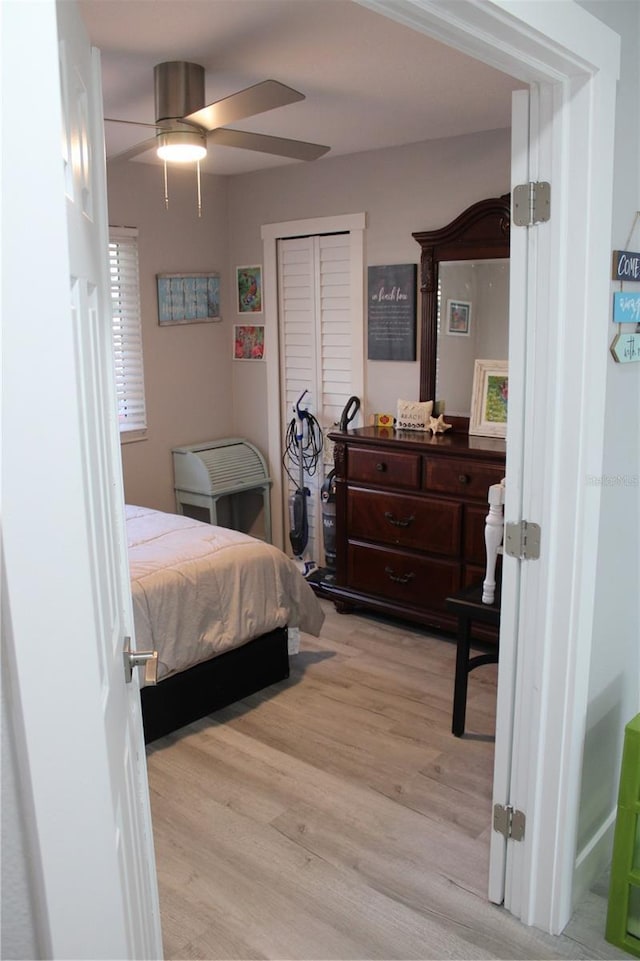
(626, 348)
(392, 312)
(626, 308)
(626, 265)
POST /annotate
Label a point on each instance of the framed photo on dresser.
(489, 398)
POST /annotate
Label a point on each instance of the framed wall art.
(490, 398)
(391, 312)
(188, 298)
(249, 289)
(458, 318)
(248, 342)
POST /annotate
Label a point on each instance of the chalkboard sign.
(392, 312)
(626, 265)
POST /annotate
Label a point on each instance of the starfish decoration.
(437, 425)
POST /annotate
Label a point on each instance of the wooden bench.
(469, 607)
(480, 602)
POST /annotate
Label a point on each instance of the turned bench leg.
(462, 676)
(493, 533)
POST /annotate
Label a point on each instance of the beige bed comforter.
(199, 590)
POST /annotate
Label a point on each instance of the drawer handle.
(381, 467)
(464, 478)
(398, 578)
(399, 523)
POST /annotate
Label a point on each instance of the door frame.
(574, 57)
(572, 61)
(354, 225)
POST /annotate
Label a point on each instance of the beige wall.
(194, 390)
(405, 189)
(187, 368)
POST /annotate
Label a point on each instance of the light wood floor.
(335, 816)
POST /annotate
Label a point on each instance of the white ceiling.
(369, 82)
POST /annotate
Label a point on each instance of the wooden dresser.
(410, 513)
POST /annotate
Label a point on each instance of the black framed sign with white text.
(392, 298)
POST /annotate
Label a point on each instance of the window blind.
(126, 328)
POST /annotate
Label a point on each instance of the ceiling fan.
(184, 124)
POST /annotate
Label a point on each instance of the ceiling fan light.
(181, 146)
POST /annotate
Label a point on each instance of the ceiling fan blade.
(246, 103)
(296, 149)
(139, 148)
(136, 123)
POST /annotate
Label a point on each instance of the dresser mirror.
(464, 283)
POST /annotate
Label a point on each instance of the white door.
(68, 592)
(518, 341)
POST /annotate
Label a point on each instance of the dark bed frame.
(205, 688)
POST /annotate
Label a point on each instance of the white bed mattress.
(199, 590)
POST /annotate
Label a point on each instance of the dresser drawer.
(420, 523)
(463, 478)
(386, 468)
(407, 578)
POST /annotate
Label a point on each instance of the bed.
(217, 605)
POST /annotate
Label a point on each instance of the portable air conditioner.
(203, 473)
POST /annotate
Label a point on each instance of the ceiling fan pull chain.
(166, 187)
(199, 189)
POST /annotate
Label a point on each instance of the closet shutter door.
(298, 359)
(297, 324)
(316, 349)
(337, 340)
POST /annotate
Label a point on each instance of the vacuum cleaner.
(328, 498)
(303, 449)
(326, 575)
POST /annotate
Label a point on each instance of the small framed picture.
(458, 318)
(490, 398)
(248, 342)
(249, 289)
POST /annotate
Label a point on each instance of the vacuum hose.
(303, 448)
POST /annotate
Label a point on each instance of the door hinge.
(531, 204)
(522, 540)
(508, 822)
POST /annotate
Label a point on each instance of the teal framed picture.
(188, 298)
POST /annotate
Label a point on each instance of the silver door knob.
(137, 659)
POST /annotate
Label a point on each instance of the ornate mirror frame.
(481, 232)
